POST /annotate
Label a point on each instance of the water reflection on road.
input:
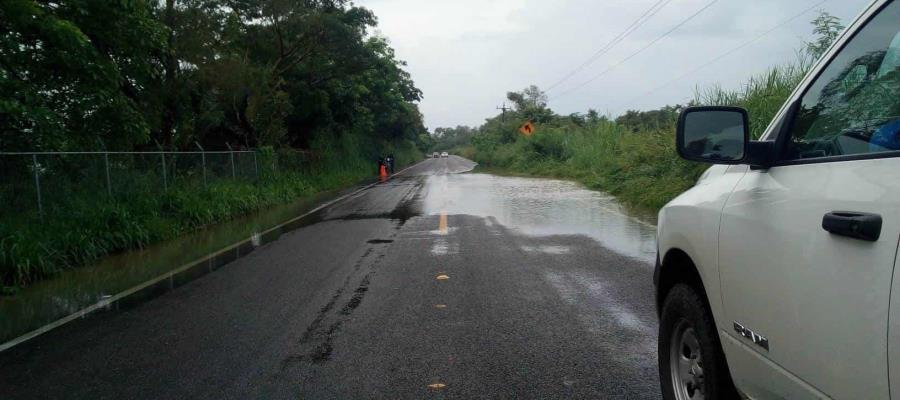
(538, 207)
(542, 207)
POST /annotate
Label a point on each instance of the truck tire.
(691, 362)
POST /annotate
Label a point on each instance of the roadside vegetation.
(81, 226)
(633, 155)
(174, 75)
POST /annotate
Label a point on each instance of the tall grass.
(641, 168)
(762, 95)
(88, 226)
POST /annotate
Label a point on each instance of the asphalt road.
(356, 305)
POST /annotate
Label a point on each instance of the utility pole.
(504, 108)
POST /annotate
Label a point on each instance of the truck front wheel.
(691, 362)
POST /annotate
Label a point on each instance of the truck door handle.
(858, 225)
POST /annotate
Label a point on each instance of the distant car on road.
(775, 273)
(444, 155)
(435, 155)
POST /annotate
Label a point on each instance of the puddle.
(442, 248)
(597, 308)
(556, 250)
(73, 290)
(543, 207)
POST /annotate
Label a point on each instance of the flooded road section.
(544, 207)
(490, 287)
(437, 283)
(535, 207)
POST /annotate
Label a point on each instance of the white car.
(775, 272)
(444, 155)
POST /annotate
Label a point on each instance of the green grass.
(87, 226)
(640, 168)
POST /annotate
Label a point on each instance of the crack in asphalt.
(317, 342)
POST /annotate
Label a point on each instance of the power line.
(614, 41)
(641, 50)
(729, 52)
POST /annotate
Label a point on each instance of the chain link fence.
(42, 183)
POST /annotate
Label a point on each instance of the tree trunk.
(170, 112)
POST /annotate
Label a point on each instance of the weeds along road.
(425, 286)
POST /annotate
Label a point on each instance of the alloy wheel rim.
(686, 363)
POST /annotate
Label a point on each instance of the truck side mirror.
(717, 135)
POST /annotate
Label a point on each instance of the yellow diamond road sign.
(527, 128)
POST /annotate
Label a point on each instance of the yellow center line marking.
(437, 386)
(442, 224)
(440, 306)
(442, 277)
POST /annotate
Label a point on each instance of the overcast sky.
(466, 54)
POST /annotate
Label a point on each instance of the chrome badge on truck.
(759, 340)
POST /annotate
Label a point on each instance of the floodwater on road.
(543, 207)
(536, 207)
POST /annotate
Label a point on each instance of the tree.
(531, 104)
(127, 74)
(640, 121)
(529, 98)
(593, 117)
(76, 74)
(826, 28)
(448, 138)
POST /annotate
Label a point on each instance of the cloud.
(466, 54)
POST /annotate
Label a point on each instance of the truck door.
(807, 248)
(894, 334)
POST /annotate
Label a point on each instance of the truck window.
(853, 107)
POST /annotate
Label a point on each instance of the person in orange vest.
(382, 170)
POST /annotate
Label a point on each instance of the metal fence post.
(231, 152)
(108, 180)
(37, 185)
(165, 177)
(203, 155)
(255, 166)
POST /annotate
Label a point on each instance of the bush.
(632, 160)
(87, 226)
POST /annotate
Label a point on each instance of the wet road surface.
(436, 284)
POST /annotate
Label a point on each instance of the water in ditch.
(73, 290)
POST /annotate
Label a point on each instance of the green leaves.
(78, 74)
(827, 28)
(74, 73)
(82, 227)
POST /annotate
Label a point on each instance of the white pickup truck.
(775, 272)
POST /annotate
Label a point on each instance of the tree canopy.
(826, 28)
(130, 74)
